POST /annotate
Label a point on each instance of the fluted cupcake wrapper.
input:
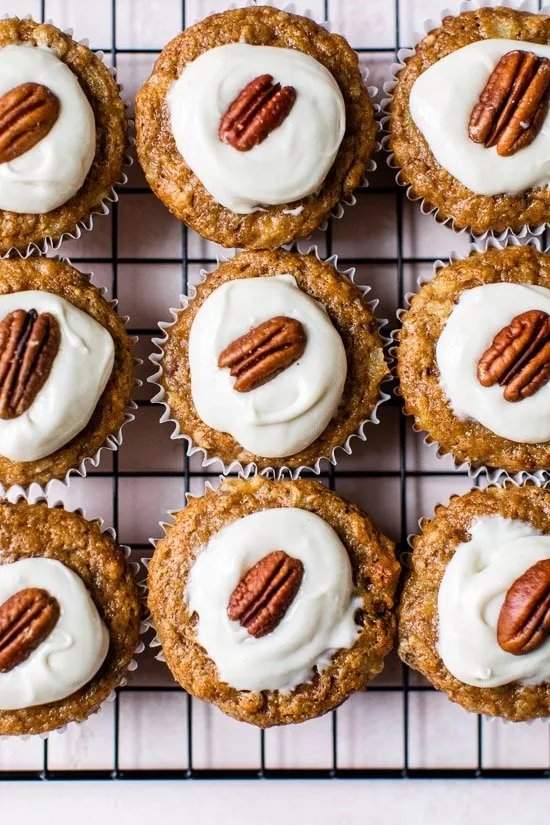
(403, 55)
(49, 244)
(250, 469)
(112, 442)
(133, 664)
(492, 475)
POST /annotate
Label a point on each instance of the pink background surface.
(370, 726)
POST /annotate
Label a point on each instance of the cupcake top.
(493, 358)
(53, 639)
(295, 124)
(69, 617)
(475, 611)
(474, 359)
(456, 92)
(47, 130)
(65, 370)
(277, 360)
(54, 365)
(470, 125)
(273, 384)
(287, 601)
(62, 133)
(311, 581)
(243, 93)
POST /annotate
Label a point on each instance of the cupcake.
(473, 359)
(273, 599)
(69, 617)
(275, 362)
(474, 616)
(469, 123)
(254, 125)
(62, 134)
(66, 371)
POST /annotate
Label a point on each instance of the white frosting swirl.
(75, 649)
(289, 412)
(471, 594)
(479, 315)
(80, 372)
(319, 621)
(441, 104)
(293, 161)
(50, 173)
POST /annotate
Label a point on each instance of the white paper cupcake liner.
(402, 56)
(112, 442)
(405, 561)
(133, 664)
(492, 475)
(49, 244)
(337, 212)
(250, 469)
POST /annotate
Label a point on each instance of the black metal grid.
(262, 771)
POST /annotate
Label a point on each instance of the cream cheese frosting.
(478, 316)
(319, 621)
(471, 595)
(72, 653)
(294, 159)
(80, 372)
(441, 103)
(289, 412)
(50, 173)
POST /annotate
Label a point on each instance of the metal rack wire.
(403, 474)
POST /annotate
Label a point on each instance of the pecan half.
(262, 598)
(258, 356)
(519, 356)
(513, 104)
(27, 114)
(29, 343)
(524, 619)
(259, 109)
(26, 620)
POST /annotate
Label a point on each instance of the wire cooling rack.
(400, 727)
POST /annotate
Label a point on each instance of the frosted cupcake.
(276, 361)
(62, 134)
(474, 616)
(473, 359)
(469, 121)
(254, 125)
(69, 617)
